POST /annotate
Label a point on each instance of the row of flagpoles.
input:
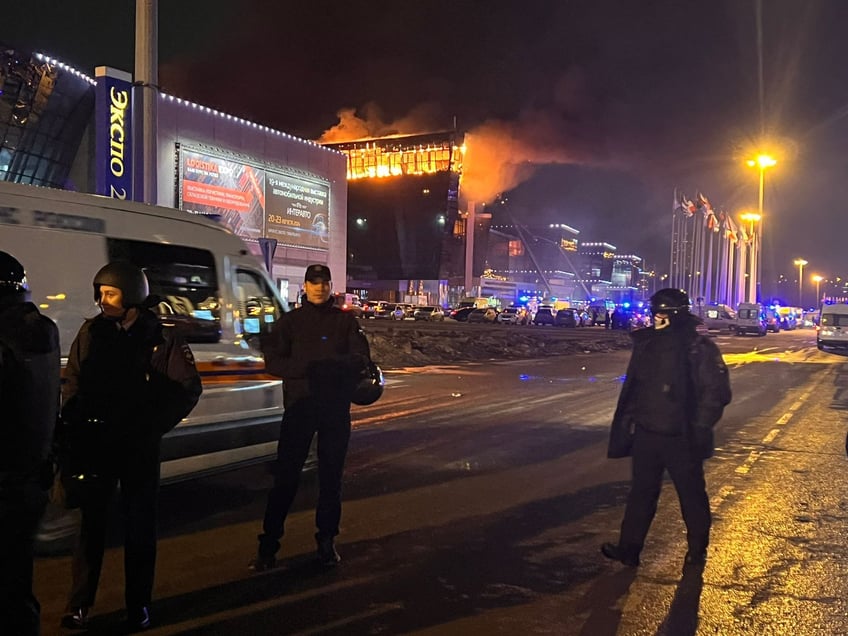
(712, 257)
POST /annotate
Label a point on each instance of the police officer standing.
(676, 389)
(29, 400)
(320, 352)
(129, 380)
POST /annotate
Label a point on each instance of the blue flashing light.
(625, 305)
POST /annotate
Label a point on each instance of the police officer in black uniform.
(320, 352)
(29, 401)
(676, 389)
(129, 380)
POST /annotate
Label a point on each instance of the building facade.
(62, 128)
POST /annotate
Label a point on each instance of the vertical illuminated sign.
(113, 133)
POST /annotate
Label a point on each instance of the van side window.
(834, 320)
(257, 306)
(183, 281)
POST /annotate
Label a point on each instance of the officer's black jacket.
(139, 383)
(29, 389)
(319, 351)
(678, 377)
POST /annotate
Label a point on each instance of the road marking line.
(798, 404)
(746, 467)
(768, 439)
(723, 493)
(784, 418)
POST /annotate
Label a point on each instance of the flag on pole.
(688, 205)
(704, 202)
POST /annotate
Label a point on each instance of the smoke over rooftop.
(500, 154)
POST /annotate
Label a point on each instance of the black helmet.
(673, 302)
(370, 386)
(125, 276)
(13, 278)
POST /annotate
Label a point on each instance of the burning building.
(406, 234)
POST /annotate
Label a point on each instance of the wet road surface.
(477, 497)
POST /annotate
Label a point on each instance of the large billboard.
(252, 202)
(297, 211)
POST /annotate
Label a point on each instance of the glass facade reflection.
(45, 109)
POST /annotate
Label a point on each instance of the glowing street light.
(818, 279)
(751, 218)
(762, 162)
(800, 262)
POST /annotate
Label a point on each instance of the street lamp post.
(818, 279)
(753, 280)
(762, 162)
(800, 262)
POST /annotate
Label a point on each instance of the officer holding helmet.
(29, 401)
(675, 391)
(129, 380)
(321, 353)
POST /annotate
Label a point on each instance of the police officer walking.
(320, 352)
(129, 380)
(29, 401)
(676, 389)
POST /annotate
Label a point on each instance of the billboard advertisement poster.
(232, 191)
(297, 211)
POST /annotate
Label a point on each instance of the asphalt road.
(477, 496)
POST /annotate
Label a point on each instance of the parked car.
(788, 318)
(343, 302)
(429, 312)
(384, 310)
(483, 314)
(514, 316)
(544, 316)
(772, 320)
(567, 318)
(369, 309)
(403, 311)
(460, 314)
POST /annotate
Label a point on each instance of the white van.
(209, 285)
(832, 330)
(750, 318)
(718, 317)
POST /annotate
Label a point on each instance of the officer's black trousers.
(301, 421)
(21, 507)
(652, 455)
(139, 481)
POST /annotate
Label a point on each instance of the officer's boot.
(326, 554)
(626, 554)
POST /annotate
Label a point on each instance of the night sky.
(605, 106)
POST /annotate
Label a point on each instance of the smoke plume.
(353, 127)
